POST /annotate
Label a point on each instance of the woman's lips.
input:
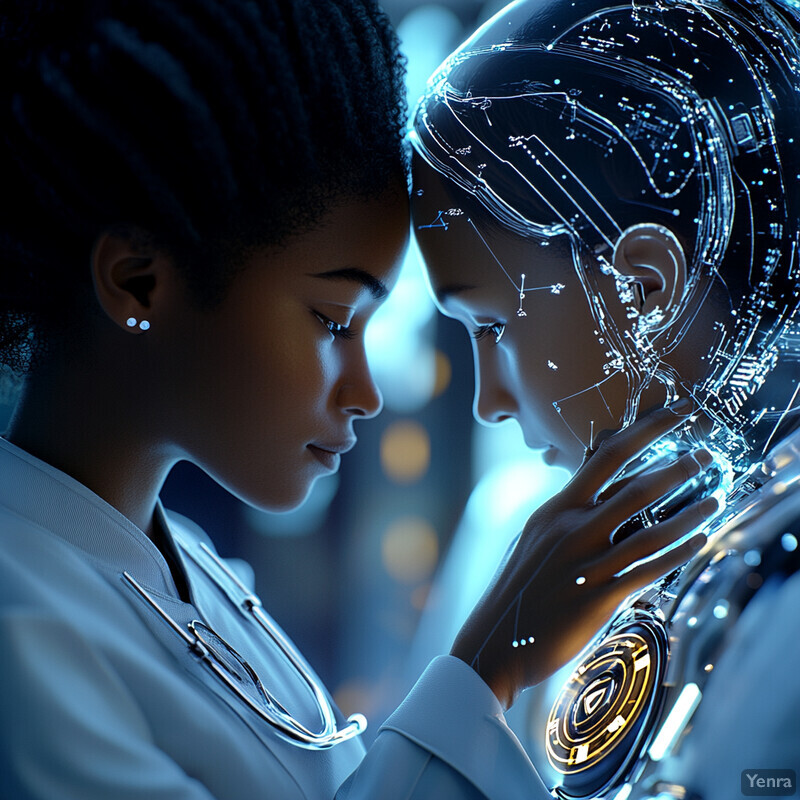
(327, 458)
(330, 455)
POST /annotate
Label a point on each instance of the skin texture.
(551, 356)
(536, 592)
(263, 392)
(250, 391)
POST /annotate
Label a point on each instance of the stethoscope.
(238, 676)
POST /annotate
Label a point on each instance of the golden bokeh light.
(444, 372)
(405, 451)
(410, 549)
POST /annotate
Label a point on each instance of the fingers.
(649, 488)
(620, 448)
(650, 571)
(650, 540)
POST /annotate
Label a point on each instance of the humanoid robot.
(648, 151)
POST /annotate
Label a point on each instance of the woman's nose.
(493, 401)
(358, 394)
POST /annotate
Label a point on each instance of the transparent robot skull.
(653, 144)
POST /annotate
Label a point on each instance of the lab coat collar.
(51, 499)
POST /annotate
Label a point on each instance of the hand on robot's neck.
(692, 437)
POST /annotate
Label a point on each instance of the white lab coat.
(101, 699)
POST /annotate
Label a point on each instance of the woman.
(605, 196)
(204, 205)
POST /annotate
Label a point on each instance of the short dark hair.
(211, 125)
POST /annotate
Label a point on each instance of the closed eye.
(496, 329)
(334, 328)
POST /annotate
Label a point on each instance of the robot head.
(652, 136)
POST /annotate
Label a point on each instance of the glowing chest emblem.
(599, 717)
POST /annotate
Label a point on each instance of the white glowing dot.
(708, 667)
(144, 325)
(721, 609)
(789, 542)
(131, 322)
(515, 643)
(686, 154)
(531, 639)
(523, 642)
(580, 580)
(692, 622)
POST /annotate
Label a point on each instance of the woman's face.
(546, 370)
(272, 381)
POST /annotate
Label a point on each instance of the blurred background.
(373, 576)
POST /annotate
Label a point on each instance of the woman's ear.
(131, 279)
(652, 257)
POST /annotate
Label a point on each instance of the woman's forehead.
(462, 244)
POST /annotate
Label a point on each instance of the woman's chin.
(559, 457)
(277, 497)
(551, 455)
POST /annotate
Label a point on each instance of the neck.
(97, 431)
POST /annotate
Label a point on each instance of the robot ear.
(652, 257)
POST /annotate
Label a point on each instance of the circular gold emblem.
(599, 719)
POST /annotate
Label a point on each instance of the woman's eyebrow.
(376, 287)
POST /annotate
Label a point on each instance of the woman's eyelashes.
(334, 328)
(496, 329)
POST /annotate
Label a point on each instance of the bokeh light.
(405, 451)
(410, 549)
(443, 374)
